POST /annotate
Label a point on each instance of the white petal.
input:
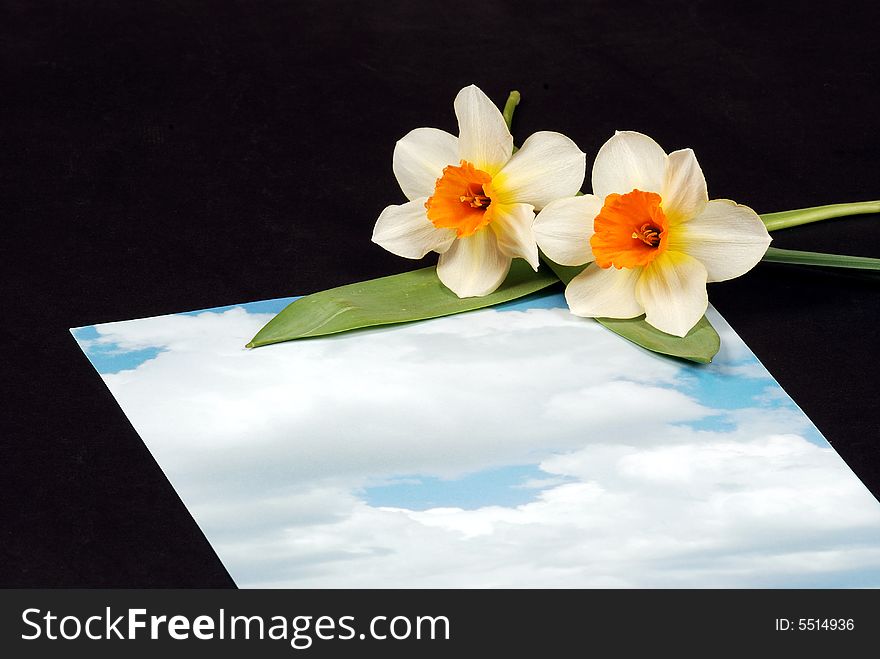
(473, 266)
(728, 239)
(672, 289)
(548, 166)
(419, 159)
(564, 228)
(604, 293)
(483, 138)
(684, 193)
(628, 161)
(406, 231)
(512, 225)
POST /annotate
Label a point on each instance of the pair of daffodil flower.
(649, 233)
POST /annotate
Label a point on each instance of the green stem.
(510, 106)
(776, 255)
(786, 219)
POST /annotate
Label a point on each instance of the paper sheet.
(517, 446)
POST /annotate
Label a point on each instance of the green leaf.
(776, 255)
(415, 295)
(565, 272)
(699, 345)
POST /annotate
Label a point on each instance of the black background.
(165, 156)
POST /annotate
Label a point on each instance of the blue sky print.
(512, 446)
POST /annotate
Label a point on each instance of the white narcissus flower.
(472, 199)
(652, 234)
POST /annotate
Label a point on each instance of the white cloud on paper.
(640, 482)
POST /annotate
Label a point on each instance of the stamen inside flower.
(462, 200)
(648, 234)
(630, 230)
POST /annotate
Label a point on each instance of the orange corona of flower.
(630, 230)
(462, 200)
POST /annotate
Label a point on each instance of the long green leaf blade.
(415, 295)
(797, 257)
(700, 345)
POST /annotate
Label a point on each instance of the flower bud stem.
(786, 219)
(510, 106)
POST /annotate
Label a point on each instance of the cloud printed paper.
(518, 446)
